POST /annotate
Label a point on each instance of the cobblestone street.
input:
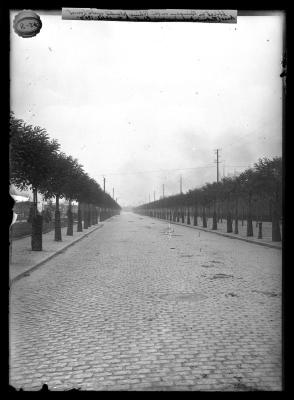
(143, 305)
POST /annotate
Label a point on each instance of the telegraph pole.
(217, 164)
(181, 185)
(113, 193)
(154, 195)
(163, 190)
(149, 197)
(103, 184)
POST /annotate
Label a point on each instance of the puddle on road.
(185, 255)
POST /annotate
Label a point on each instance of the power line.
(155, 170)
(163, 170)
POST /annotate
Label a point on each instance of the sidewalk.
(23, 260)
(265, 241)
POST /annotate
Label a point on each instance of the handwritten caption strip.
(212, 16)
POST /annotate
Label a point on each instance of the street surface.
(143, 305)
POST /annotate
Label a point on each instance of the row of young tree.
(256, 194)
(37, 163)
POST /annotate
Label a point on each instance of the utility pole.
(217, 164)
(224, 165)
(113, 193)
(103, 184)
(149, 197)
(181, 191)
(154, 195)
(163, 190)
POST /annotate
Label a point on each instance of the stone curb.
(220, 233)
(36, 266)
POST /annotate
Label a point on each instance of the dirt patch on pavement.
(231, 295)
(217, 276)
(183, 297)
(269, 294)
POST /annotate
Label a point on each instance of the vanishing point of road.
(144, 305)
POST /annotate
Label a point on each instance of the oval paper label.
(27, 24)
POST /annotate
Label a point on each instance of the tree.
(269, 183)
(57, 184)
(31, 152)
(247, 181)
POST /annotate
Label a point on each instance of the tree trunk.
(57, 236)
(204, 221)
(276, 233)
(188, 217)
(96, 215)
(259, 230)
(214, 217)
(183, 216)
(236, 230)
(89, 215)
(249, 218)
(85, 215)
(80, 225)
(37, 221)
(229, 218)
(195, 216)
(69, 231)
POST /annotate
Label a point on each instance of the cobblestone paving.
(139, 305)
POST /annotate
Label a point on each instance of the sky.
(143, 104)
